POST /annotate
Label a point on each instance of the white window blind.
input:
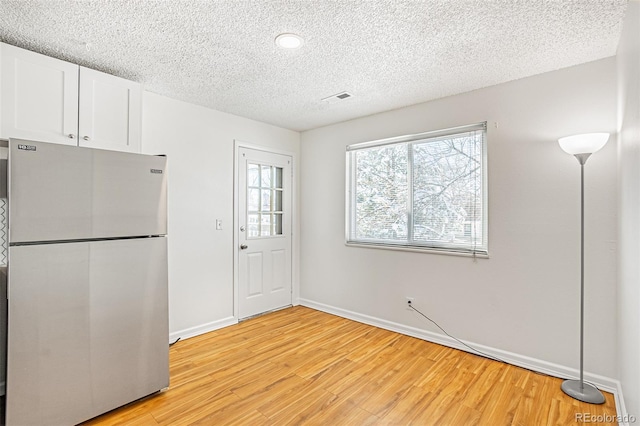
(423, 191)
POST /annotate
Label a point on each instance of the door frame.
(295, 242)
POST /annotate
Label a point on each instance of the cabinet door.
(110, 112)
(39, 97)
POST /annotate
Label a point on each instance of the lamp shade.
(587, 143)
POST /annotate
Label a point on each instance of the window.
(264, 200)
(426, 191)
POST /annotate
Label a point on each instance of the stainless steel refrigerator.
(87, 281)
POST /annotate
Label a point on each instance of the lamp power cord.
(477, 351)
(484, 354)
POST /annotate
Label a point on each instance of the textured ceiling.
(387, 54)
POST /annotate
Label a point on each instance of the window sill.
(417, 249)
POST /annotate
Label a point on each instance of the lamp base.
(582, 392)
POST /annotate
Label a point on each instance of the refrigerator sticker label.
(27, 147)
(156, 171)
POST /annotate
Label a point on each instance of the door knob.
(71, 136)
(86, 138)
(244, 247)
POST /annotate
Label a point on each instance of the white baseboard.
(604, 383)
(201, 329)
(623, 415)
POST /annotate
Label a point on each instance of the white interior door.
(264, 231)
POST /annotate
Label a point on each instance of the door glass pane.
(277, 226)
(265, 225)
(266, 200)
(253, 175)
(253, 225)
(278, 177)
(253, 199)
(266, 176)
(277, 202)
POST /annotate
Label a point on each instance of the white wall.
(629, 207)
(199, 143)
(525, 298)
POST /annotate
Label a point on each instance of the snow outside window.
(426, 191)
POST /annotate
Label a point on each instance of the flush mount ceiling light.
(289, 41)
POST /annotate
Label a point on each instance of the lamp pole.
(577, 388)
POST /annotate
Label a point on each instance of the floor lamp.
(582, 146)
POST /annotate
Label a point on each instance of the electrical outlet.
(410, 301)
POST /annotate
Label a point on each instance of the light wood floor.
(301, 366)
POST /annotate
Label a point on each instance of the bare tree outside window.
(381, 193)
(424, 192)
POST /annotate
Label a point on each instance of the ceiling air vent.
(337, 97)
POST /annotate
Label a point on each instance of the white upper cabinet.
(39, 97)
(110, 111)
(50, 100)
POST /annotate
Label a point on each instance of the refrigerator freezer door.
(59, 192)
(87, 329)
